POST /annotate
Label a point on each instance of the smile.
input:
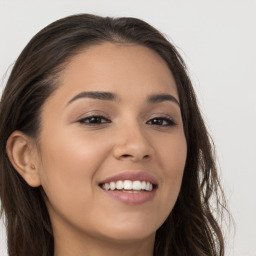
(131, 187)
(128, 186)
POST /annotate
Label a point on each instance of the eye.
(161, 121)
(94, 120)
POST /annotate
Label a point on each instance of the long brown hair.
(191, 228)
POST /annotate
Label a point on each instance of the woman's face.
(114, 118)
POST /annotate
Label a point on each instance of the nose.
(132, 143)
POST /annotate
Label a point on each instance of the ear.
(23, 155)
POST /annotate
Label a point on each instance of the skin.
(73, 157)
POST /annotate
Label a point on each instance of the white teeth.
(112, 185)
(128, 185)
(143, 184)
(120, 184)
(136, 185)
(106, 186)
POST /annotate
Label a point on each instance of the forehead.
(125, 69)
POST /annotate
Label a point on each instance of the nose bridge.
(132, 141)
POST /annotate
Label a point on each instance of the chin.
(128, 233)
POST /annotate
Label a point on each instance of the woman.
(103, 147)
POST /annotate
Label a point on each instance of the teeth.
(136, 185)
(128, 185)
(143, 184)
(112, 185)
(106, 186)
(120, 184)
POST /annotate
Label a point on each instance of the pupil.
(157, 121)
(95, 119)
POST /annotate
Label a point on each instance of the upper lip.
(131, 175)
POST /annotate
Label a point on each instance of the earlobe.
(21, 153)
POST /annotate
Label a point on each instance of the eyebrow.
(109, 96)
(157, 98)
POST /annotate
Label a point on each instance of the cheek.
(71, 154)
(176, 162)
(172, 158)
(172, 154)
(69, 164)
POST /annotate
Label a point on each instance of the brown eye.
(161, 121)
(94, 120)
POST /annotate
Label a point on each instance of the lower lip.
(131, 198)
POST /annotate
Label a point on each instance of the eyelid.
(162, 115)
(93, 113)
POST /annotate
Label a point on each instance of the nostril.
(126, 155)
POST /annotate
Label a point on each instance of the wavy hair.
(192, 228)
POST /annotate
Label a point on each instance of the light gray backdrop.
(217, 40)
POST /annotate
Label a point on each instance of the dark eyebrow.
(157, 98)
(109, 96)
(96, 95)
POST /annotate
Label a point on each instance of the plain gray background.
(217, 40)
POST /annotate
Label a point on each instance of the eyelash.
(97, 118)
(83, 120)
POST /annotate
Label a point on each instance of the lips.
(130, 187)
